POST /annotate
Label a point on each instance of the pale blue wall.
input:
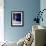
(30, 7)
(43, 6)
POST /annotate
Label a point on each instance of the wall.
(42, 6)
(30, 7)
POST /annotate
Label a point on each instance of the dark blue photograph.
(17, 18)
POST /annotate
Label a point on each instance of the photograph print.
(17, 18)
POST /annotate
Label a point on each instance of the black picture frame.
(17, 18)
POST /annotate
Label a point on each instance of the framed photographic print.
(17, 18)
